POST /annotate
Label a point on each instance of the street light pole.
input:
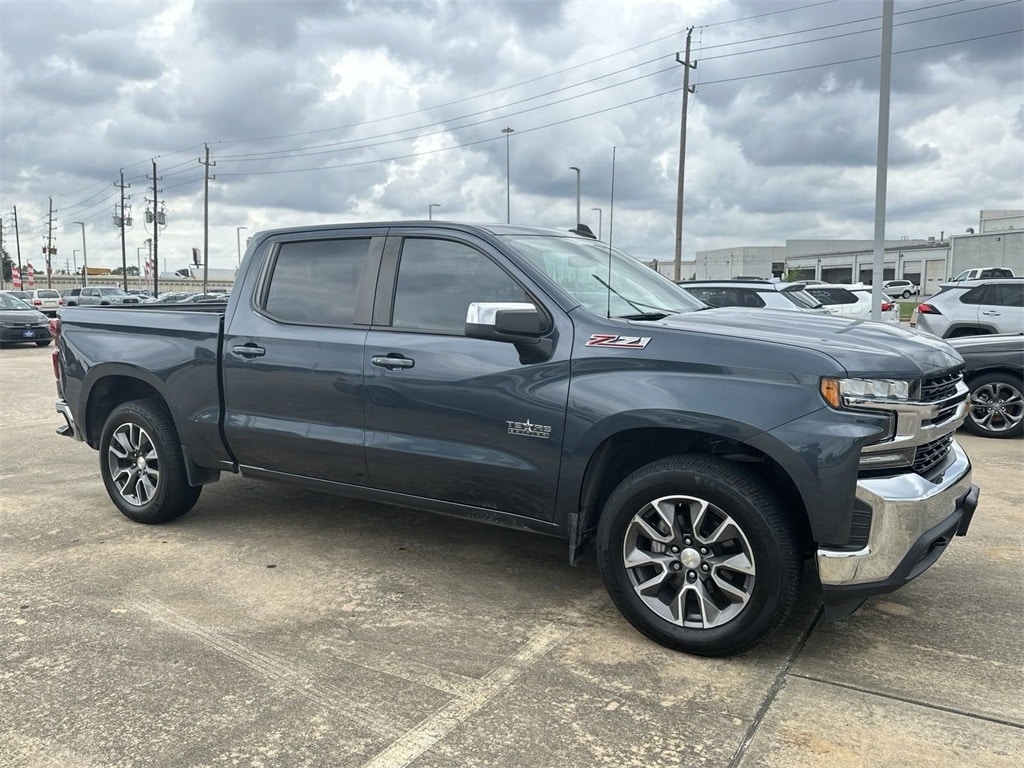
(508, 176)
(600, 216)
(85, 256)
(238, 242)
(430, 210)
(138, 262)
(74, 260)
(574, 168)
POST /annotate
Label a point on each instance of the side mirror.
(518, 323)
(504, 321)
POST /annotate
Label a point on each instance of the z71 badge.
(620, 342)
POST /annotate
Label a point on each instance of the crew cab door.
(293, 356)
(453, 418)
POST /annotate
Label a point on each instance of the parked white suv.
(755, 294)
(853, 301)
(902, 288)
(45, 300)
(973, 307)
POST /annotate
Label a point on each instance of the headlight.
(847, 393)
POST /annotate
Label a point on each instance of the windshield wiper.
(639, 306)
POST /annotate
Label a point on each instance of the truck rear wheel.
(697, 554)
(142, 465)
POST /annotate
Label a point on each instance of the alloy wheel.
(689, 562)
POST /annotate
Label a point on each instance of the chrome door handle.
(391, 363)
(248, 350)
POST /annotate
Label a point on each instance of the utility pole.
(156, 233)
(687, 90)
(49, 245)
(206, 214)
(508, 177)
(122, 216)
(17, 239)
(882, 169)
(85, 256)
(574, 168)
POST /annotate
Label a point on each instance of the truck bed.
(168, 348)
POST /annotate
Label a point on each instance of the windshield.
(619, 287)
(12, 302)
(110, 291)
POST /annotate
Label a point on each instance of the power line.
(609, 109)
(860, 32)
(319, 149)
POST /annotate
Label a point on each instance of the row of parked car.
(48, 300)
(853, 301)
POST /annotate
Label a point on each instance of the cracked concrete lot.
(276, 627)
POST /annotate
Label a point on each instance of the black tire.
(45, 343)
(906, 294)
(995, 406)
(142, 465)
(760, 565)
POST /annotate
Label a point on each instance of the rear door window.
(832, 295)
(316, 282)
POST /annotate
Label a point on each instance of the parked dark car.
(21, 324)
(995, 375)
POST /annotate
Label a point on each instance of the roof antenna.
(611, 229)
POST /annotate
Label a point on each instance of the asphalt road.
(277, 627)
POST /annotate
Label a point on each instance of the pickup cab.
(545, 381)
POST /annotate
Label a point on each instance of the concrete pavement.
(277, 627)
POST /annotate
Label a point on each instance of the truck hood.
(862, 347)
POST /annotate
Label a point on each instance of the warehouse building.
(998, 241)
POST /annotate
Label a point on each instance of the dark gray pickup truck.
(541, 380)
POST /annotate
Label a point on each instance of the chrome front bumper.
(912, 519)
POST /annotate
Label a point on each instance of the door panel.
(462, 420)
(293, 365)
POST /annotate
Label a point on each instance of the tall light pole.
(238, 242)
(600, 216)
(138, 261)
(574, 168)
(85, 256)
(508, 177)
(74, 260)
(430, 210)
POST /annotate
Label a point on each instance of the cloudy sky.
(321, 111)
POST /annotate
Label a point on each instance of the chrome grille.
(930, 454)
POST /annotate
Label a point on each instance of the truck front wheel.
(142, 465)
(697, 554)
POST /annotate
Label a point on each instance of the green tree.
(5, 260)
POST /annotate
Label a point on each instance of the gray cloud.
(349, 88)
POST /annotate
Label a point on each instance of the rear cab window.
(316, 282)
